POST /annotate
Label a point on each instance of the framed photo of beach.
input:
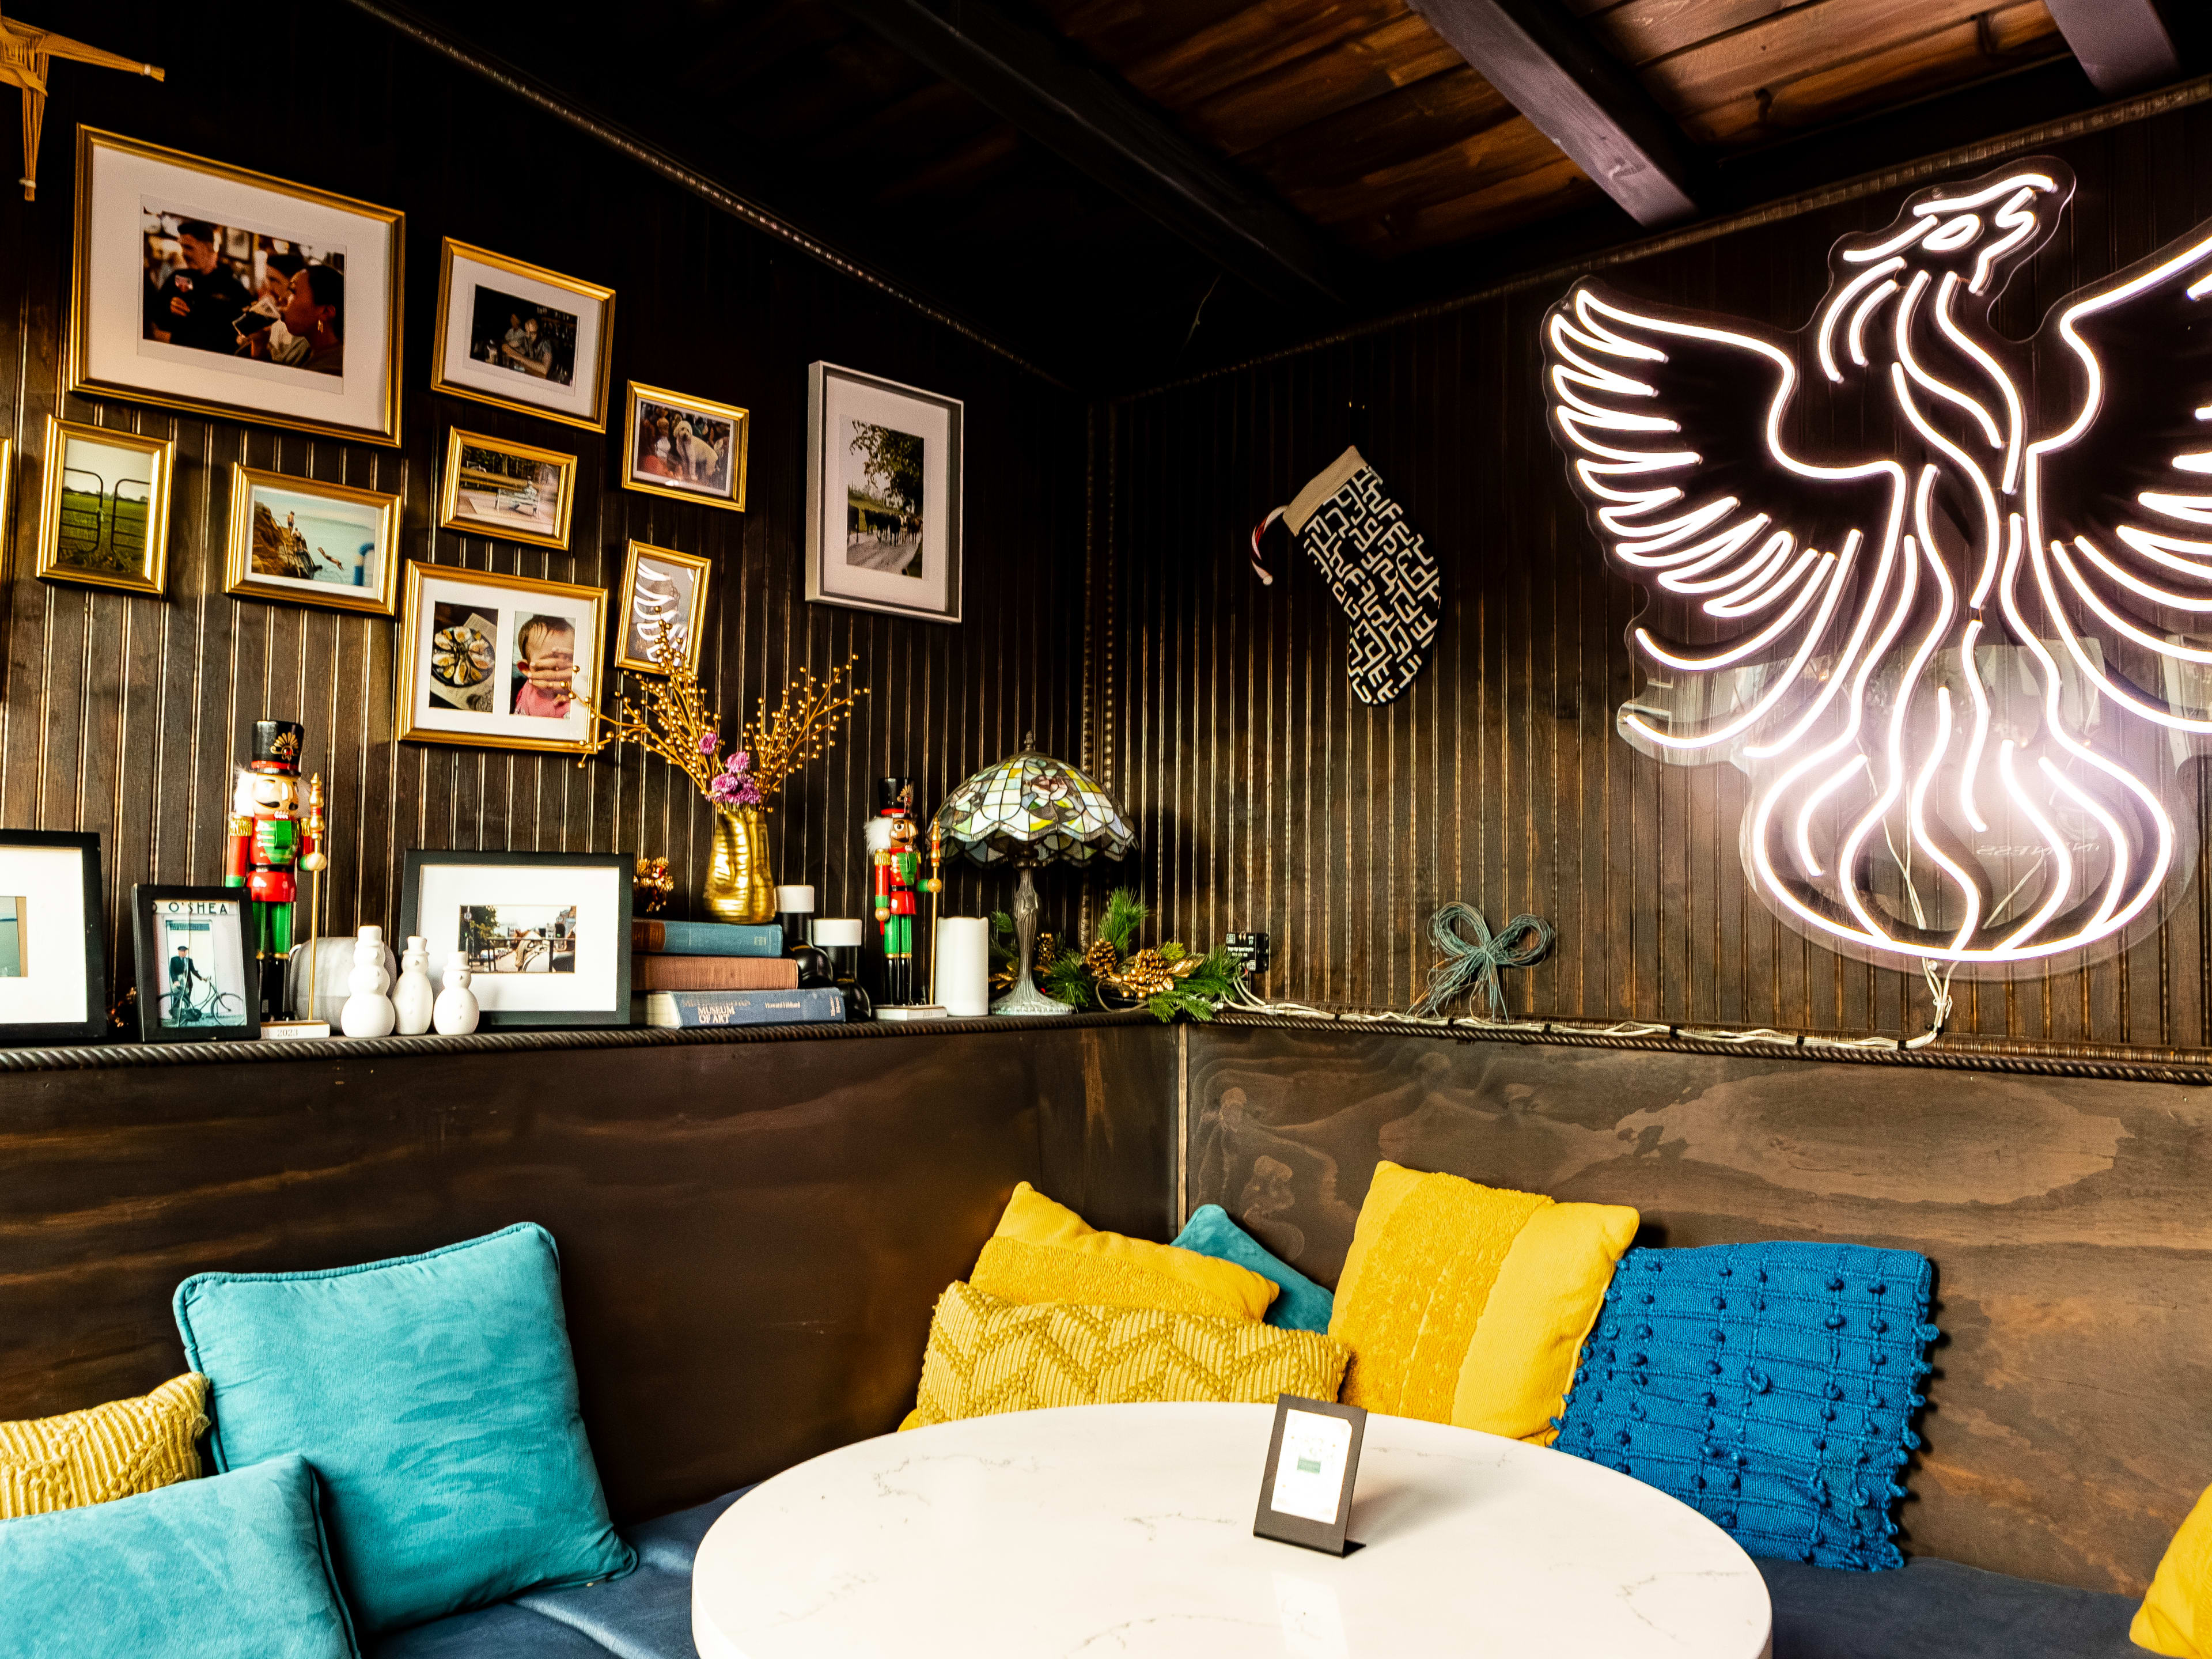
(546, 934)
(53, 972)
(103, 508)
(685, 447)
(496, 487)
(508, 662)
(660, 588)
(522, 337)
(883, 481)
(208, 288)
(301, 541)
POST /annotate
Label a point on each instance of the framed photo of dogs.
(686, 447)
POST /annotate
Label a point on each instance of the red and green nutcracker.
(897, 872)
(268, 842)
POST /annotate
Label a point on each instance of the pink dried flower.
(710, 742)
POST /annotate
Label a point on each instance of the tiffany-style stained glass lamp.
(1028, 810)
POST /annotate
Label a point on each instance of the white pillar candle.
(963, 966)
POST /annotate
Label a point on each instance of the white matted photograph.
(53, 975)
(883, 470)
(306, 542)
(522, 337)
(503, 661)
(208, 288)
(546, 934)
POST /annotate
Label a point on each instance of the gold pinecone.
(1102, 958)
(1146, 975)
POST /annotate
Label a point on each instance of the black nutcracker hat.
(276, 745)
(895, 795)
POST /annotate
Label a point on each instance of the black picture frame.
(622, 865)
(153, 973)
(1326, 1536)
(92, 1028)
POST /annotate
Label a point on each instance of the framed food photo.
(500, 488)
(884, 471)
(661, 590)
(522, 337)
(508, 662)
(546, 934)
(193, 961)
(301, 541)
(53, 972)
(685, 447)
(103, 508)
(208, 288)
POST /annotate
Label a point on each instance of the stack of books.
(720, 973)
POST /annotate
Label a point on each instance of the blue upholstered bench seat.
(1932, 1609)
(646, 1615)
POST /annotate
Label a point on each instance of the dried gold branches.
(805, 724)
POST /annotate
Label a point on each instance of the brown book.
(654, 972)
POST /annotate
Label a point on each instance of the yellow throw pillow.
(987, 1355)
(1045, 1252)
(2176, 1617)
(1469, 1304)
(116, 1450)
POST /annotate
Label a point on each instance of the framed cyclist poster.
(192, 965)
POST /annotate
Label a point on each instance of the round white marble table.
(1127, 1529)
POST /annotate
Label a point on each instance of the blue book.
(707, 939)
(681, 1008)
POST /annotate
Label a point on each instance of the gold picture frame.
(118, 227)
(630, 640)
(656, 474)
(458, 511)
(65, 560)
(573, 391)
(471, 620)
(349, 510)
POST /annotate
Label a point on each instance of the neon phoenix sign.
(1942, 596)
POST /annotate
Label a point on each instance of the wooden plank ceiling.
(1364, 119)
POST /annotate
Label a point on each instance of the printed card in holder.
(1313, 1461)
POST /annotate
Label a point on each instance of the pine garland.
(1067, 974)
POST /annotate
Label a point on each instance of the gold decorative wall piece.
(26, 54)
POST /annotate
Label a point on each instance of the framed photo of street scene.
(496, 487)
(661, 589)
(205, 286)
(53, 972)
(194, 965)
(546, 934)
(301, 541)
(522, 337)
(103, 508)
(508, 662)
(685, 447)
(884, 479)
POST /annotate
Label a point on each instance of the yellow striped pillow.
(116, 1450)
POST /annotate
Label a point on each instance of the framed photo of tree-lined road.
(884, 480)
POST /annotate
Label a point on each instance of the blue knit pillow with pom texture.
(1770, 1387)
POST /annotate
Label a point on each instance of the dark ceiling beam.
(2124, 45)
(1580, 96)
(1037, 81)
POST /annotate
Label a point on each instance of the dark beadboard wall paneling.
(1268, 798)
(126, 714)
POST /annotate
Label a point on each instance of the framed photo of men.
(522, 337)
(204, 286)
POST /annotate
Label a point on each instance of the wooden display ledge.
(109, 1055)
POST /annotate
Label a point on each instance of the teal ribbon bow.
(1521, 943)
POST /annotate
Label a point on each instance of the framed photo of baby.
(506, 662)
(686, 447)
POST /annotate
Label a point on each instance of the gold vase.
(739, 886)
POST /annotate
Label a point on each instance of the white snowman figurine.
(455, 1014)
(367, 1012)
(413, 997)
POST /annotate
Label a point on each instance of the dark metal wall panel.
(1268, 798)
(2065, 1432)
(125, 714)
(752, 1235)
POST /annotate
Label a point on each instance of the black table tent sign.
(1313, 1462)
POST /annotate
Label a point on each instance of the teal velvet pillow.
(1302, 1306)
(229, 1568)
(436, 1399)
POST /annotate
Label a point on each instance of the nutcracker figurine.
(267, 843)
(897, 869)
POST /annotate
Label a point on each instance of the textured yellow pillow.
(1469, 1304)
(2176, 1617)
(987, 1355)
(116, 1450)
(1045, 1252)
